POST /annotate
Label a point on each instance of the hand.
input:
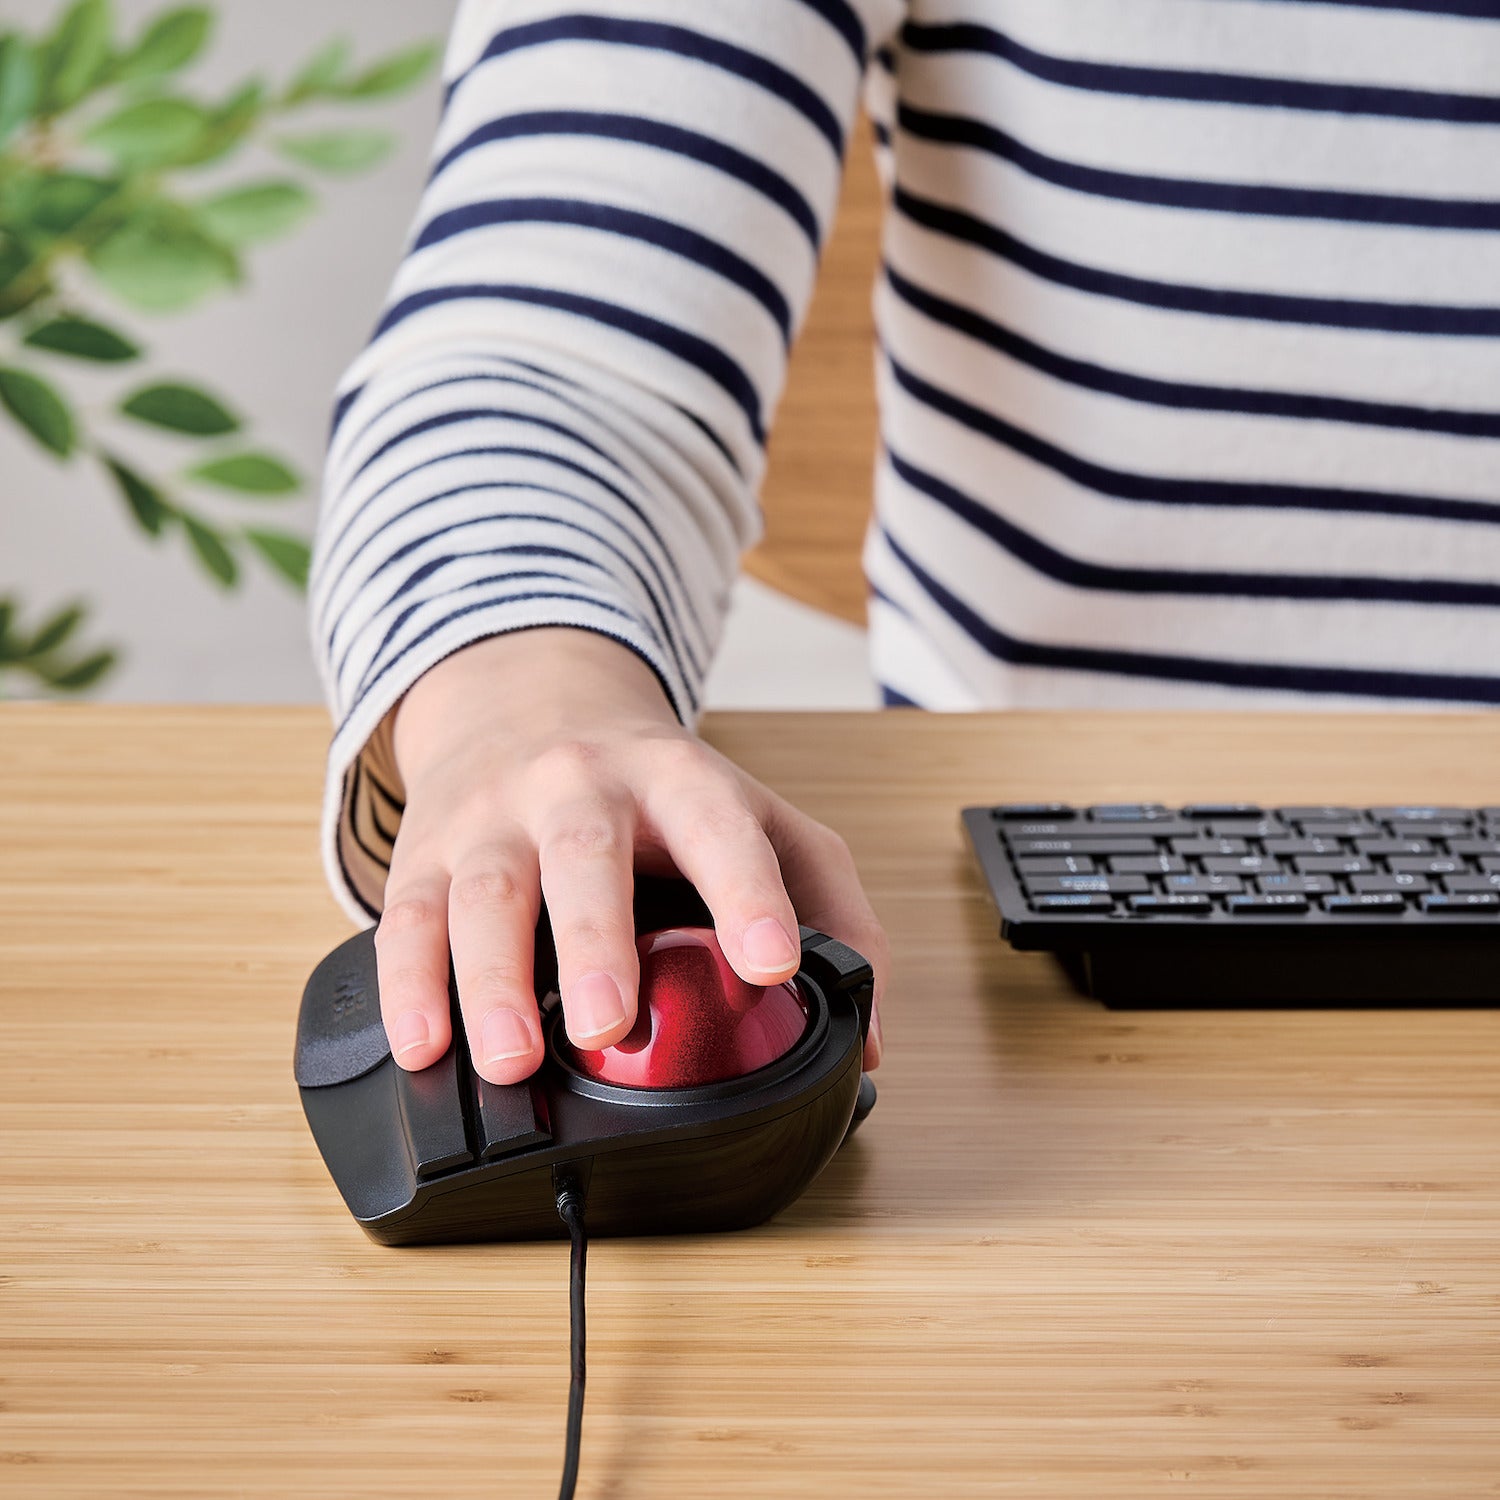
(548, 762)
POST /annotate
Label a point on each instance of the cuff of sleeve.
(363, 795)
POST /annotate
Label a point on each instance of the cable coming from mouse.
(570, 1200)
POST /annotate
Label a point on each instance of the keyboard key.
(1245, 864)
(1171, 905)
(1260, 905)
(1410, 814)
(1473, 903)
(1107, 885)
(1287, 848)
(1333, 864)
(1019, 811)
(1489, 863)
(1297, 885)
(1199, 848)
(1222, 810)
(1323, 814)
(1147, 864)
(1062, 864)
(1128, 812)
(1436, 864)
(1380, 885)
(1092, 845)
(1203, 885)
(1434, 831)
(1072, 903)
(1474, 847)
(1458, 885)
(1386, 848)
(1352, 829)
(1042, 830)
(1366, 906)
(1247, 828)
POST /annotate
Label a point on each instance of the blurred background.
(200, 209)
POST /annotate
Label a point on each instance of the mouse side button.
(433, 1116)
(339, 1031)
(509, 1118)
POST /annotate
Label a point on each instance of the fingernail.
(411, 1031)
(504, 1035)
(767, 945)
(594, 1005)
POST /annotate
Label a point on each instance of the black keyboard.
(1219, 903)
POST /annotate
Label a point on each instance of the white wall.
(273, 350)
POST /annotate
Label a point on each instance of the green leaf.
(180, 408)
(82, 339)
(161, 261)
(146, 502)
(38, 408)
(75, 54)
(228, 125)
(212, 553)
(393, 74)
(150, 132)
(83, 675)
(337, 151)
(249, 473)
(320, 75)
(289, 555)
(170, 42)
(57, 201)
(55, 631)
(260, 211)
(20, 82)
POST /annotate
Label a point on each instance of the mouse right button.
(509, 1116)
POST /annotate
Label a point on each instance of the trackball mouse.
(718, 1108)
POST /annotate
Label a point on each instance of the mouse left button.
(433, 1115)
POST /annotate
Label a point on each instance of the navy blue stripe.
(653, 133)
(525, 417)
(842, 17)
(477, 414)
(359, 843)
(1432, 687)
(677, 239)
(1484, 10)
(470, 609)
(1160, 490)
(530, 574)
(674, 635)
(688, 347)
(1195, 86)
(666, 633)
(1205, 197)
(1330, 312)
(890, 698)
(684, 42)
(876, 592)
(341, 406)
(1077, 573)
(1188, 396)
(386, 795)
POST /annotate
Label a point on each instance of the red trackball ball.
(698, 1022)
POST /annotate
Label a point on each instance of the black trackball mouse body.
(715, 1112)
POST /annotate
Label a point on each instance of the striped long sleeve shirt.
(1188, 352)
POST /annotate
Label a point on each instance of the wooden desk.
(1074, 1253)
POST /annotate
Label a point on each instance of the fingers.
(411, 961)
(587, 865)
(492, 912)
(718, 843)
(820, 873)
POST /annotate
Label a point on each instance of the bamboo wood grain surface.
(1073, 1253)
